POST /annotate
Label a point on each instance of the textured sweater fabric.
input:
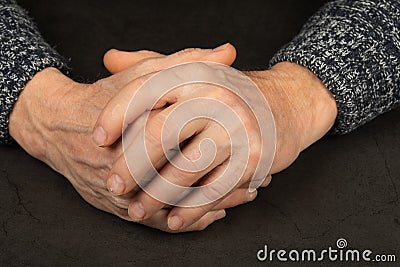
(23, 53)
(353, 46)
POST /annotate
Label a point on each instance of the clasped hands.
(76, 128)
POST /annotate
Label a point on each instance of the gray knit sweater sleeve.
(23, 52)
(353, 46)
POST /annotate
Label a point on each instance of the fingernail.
(116, 184)
(251, 196)
(220, 214)
(175, 223)
(137, 211)
(99, 136)
(221, 47)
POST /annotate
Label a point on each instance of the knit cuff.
(23, 53)
(353, 47)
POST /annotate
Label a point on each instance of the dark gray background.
(342, 186)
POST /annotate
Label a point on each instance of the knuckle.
(254, 157)
(255, 153)
(235, 198)
(179, 177)
(265, 183)
(190, 161)
(215, 191)
(120, 202)
(144, 51)
(202, 225)
(106, 86)
(190, 52)
(153, 132)
(146, 66)
(226, 96)
(160, 132)
(202, 69)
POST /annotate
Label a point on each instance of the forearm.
(309, 101)
(303, 108)
(23, 53)
(354, 49)
(37, 113)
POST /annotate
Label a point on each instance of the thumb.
(116, 61)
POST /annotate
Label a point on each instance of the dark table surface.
(341, 187)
